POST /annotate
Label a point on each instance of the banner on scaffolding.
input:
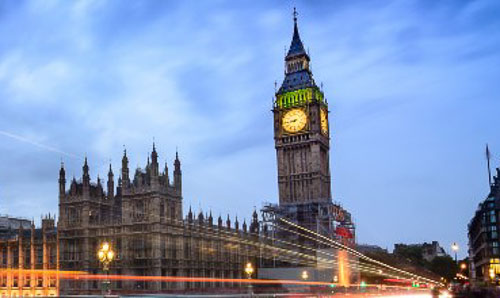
(343, 232)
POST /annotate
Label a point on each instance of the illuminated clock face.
(294, 120)
(324, 122)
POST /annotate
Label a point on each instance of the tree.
(413, 253)
(444, 266)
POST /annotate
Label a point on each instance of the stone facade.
(142, 218)
(484, 244)
(28, 258)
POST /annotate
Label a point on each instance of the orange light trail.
(15, 271)
(81, 275)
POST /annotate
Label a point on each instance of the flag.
(488, 157)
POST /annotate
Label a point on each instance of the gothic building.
(142, 218)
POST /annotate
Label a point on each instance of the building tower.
(301, 131)
(302, 142)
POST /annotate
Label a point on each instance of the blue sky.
(412, 85)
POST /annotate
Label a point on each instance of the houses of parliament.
(142, 217)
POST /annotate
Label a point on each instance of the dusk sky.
(413, 88)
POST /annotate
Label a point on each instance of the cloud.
(412, 88)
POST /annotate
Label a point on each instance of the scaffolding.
(325, 218)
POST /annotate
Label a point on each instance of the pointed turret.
(244, 225)
(219, 222)
(62, 181)
(254, 225)
(177, 173)
(201, 218)
(73, 186)
(86, 176)
(236, 224)
(154, 171)
(125, 170)
(190, 215)
(154, 162)
(296, 47)
(210, 218)
(228, 222)
(111, 183)
(297, 72)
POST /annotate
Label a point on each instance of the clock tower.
(301, 132)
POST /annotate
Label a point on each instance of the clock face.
(294, 120)
(324, 121)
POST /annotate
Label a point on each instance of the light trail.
(365, 267)
(357, 253)
(40, 271)
(82, 275)
(255, 249)
(284, 254)
(362, 289)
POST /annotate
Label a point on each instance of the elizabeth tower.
(301, 131)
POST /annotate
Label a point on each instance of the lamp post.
(463, 266)
(249, 271)
(105, 255)
(455, 248)
(305, 275)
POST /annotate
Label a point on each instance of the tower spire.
(125, 170)
(111, 182)
(86, 176)
(154, 159)
(62, 180)
(177, 172)
(296, 47)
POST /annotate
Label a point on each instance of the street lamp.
(249, 270)
(455, 248)
(105, 255)
(305, 275)
(463, 266)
